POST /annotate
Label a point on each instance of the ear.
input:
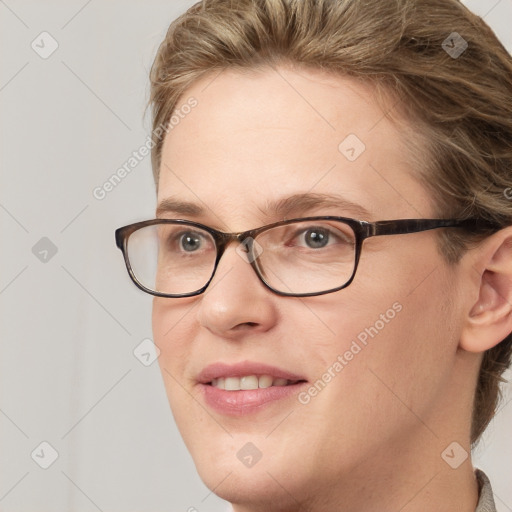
(489, 320)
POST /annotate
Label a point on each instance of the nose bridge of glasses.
(244, 238)
(243, 243)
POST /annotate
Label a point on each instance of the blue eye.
(316, 238)
(189, 241)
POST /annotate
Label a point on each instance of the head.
(277, 92)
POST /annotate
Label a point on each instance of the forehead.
(258, 136)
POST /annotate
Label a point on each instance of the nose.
(236, 301)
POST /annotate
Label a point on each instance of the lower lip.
(240, 403)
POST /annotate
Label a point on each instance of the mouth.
(245, 388)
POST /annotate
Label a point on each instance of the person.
(330, 257)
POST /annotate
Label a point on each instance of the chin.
(257, 487)
(231, 469)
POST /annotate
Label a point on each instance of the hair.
(459, 107)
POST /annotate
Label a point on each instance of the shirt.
(486, 501)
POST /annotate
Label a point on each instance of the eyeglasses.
(297, 257)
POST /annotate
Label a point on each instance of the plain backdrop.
(70, 319)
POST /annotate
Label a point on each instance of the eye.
(190, 241)
(318, 237)
(187, 242)
(182, 241)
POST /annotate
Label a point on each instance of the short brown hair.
(460, 105)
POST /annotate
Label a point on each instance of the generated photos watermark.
(101, 191)
(344, 359)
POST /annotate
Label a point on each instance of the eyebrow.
(282, 207)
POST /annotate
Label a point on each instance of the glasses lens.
(307, 256)
(171, 258)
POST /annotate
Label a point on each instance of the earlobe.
(489, 320)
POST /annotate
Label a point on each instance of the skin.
(372, 438)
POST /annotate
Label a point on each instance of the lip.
(244, 402)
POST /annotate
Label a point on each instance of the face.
(355, 362)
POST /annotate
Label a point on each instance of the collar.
(486, 498)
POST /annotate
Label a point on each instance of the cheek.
(173, 334)
(171, 324)
(389, 356)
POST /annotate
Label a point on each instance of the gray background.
(70, 321)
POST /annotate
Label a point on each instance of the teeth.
(265, 381)
(248, 382)
(232, 384)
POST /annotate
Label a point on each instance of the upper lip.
(242, 369)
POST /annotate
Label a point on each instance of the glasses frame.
(362, 230)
